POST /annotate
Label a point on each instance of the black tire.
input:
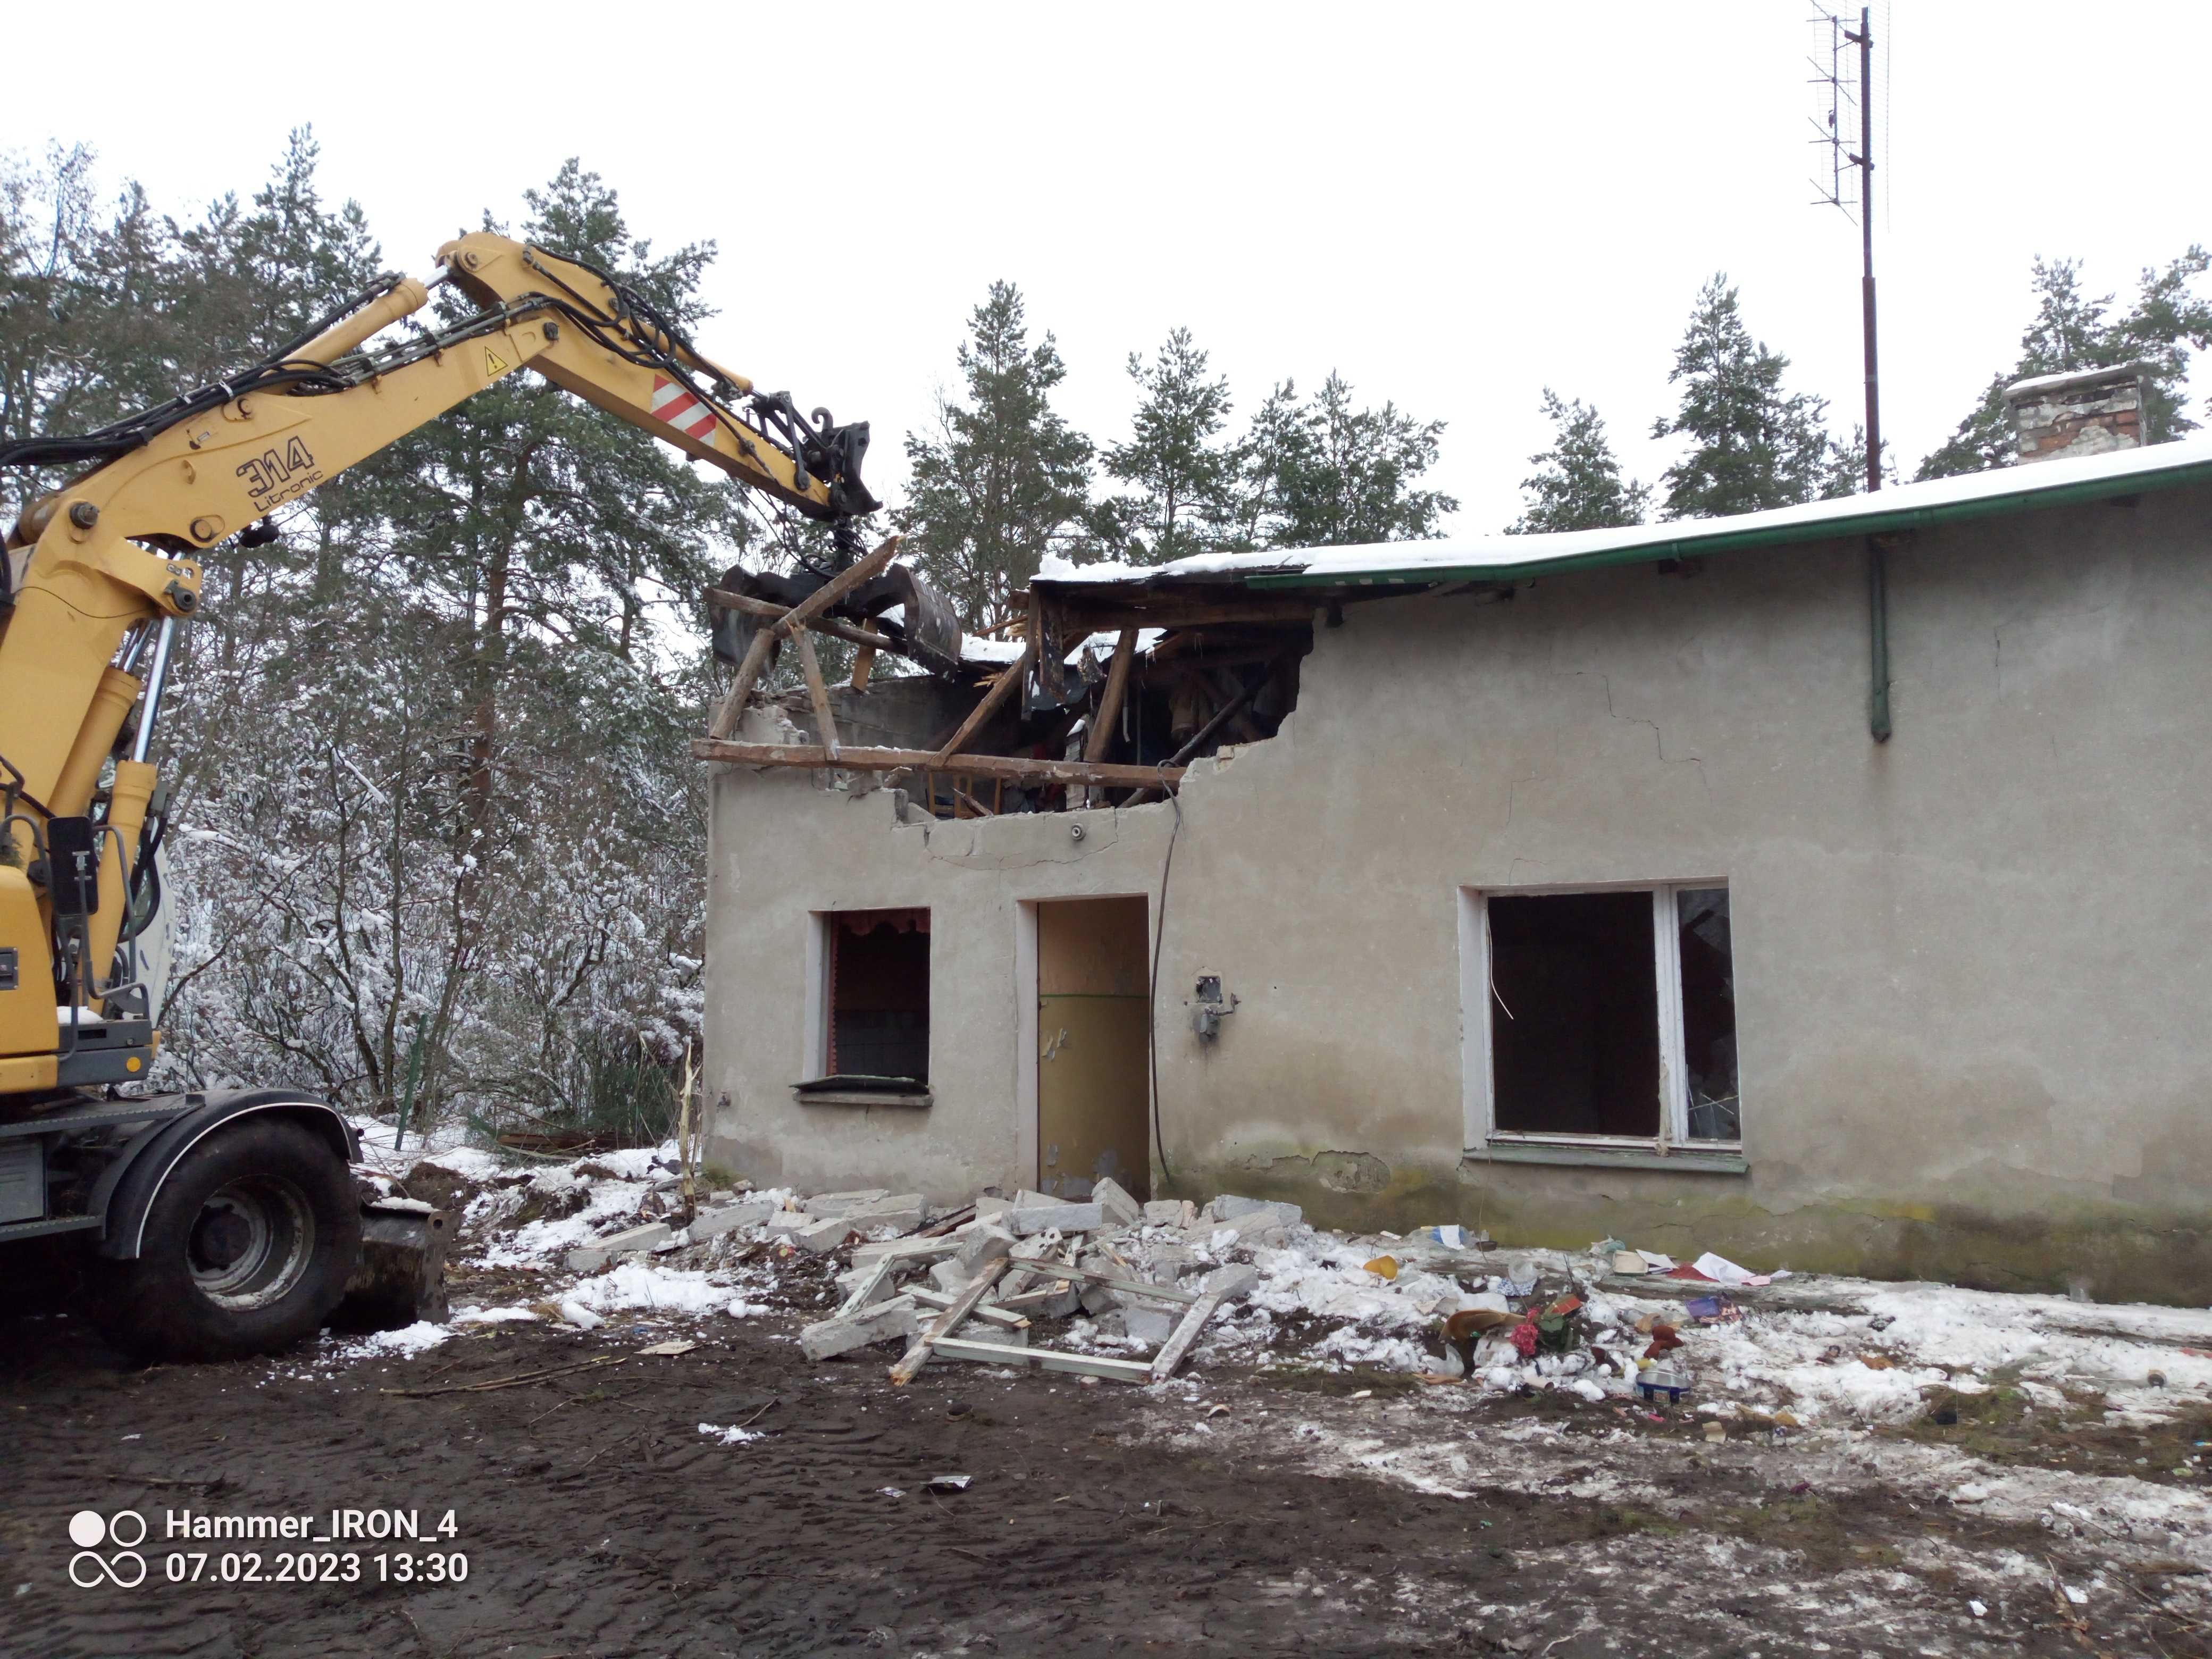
(247, 1249)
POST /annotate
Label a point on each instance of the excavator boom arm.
(101, 570)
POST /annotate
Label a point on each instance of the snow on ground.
(1826, 1351)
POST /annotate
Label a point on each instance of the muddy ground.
(1318, 1513)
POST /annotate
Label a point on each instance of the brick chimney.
(2087, 412)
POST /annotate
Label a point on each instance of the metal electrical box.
(22, 1180)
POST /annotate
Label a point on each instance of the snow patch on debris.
(638, 1285)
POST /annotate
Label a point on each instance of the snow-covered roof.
(1460, 558)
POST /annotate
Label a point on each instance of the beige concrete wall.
(1972, 964)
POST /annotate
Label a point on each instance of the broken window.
(1708, 1014)
(1609, 1016)
(878, 1003)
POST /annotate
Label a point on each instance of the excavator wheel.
(247, 1248)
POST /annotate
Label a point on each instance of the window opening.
(878, 971)
(1605, 1016)
(1709, 1014)
(1578, 1053)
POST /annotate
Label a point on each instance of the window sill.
(835, 1091)
(1611, 1158)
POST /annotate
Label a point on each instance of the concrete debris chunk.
(830, 1204)
(1231, 1209)
(902, 1214)
(1150, 1325)
(1171, 1212)
(1231, 1283)
(990, 1204)
(1098, 1301)
(820, 1238)
(590, 1258)
(865, 1286)
(913, 1252)
(712, 1223)
(1052, 1213)
(950, 1276)
(983, 1243)
(1119, 1208)
(884, 1322)
(1166, 1263)
(784, 1223)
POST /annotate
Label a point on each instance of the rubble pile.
(1113, 1289)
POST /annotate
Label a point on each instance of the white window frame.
(1479, 1080)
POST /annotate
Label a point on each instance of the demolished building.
(1402, 883)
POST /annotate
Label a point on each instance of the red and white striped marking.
(672, 403)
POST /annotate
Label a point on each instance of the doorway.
(1093, 1046)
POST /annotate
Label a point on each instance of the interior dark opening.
(1709, 1014)
(1575, 1044)
(879, 994)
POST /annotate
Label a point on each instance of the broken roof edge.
(1501, 558)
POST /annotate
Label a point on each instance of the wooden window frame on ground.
(1671, 1147)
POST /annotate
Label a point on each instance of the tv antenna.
(1851, 95)
(1843, 65)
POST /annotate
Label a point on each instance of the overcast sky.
(1455, 206)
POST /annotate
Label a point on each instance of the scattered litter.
(671, 1348)
(948, 1483)
(731, 1436)
(1384, 1267)
(1977, 1609)
(892, 1492)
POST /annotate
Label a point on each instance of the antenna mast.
(1850, 95)
(1838, 43)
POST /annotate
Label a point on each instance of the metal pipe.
(1878, 634)
(135, 646)
(157, 680)
(1866, 239)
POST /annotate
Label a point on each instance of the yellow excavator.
(225, 1223)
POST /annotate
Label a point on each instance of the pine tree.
(1268, 454)
(1003, 477)
(1172, 455)
(1577, 484)
(1327, 474)
(1753, 445)
(2072, 331)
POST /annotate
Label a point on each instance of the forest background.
(439, 845)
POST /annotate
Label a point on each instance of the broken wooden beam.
(749, 672)
(1116, 1282)
(993, 700)
(817, 693)
(1014, 768)
(1109, 701)
(1009, 1319)
(1050, 1359)
(947, 1322)
(1171, 1352)
(720, 599)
